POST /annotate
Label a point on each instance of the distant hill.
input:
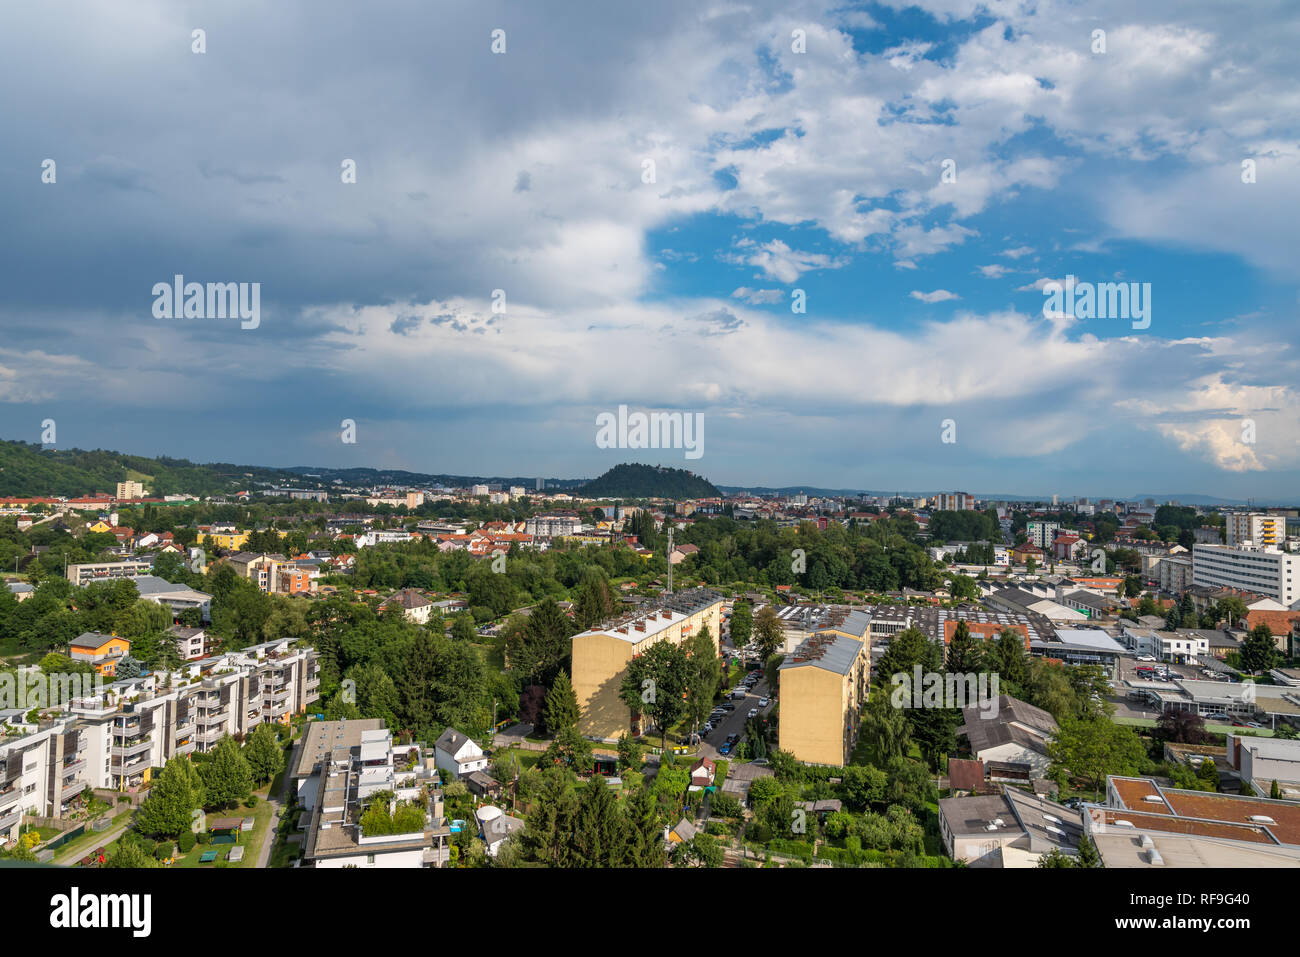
(633, 480)
(27, 469)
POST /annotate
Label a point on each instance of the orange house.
(984, 630)
(101, 651)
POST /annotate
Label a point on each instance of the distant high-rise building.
(1042, 534)
(127, 490)
(541, 484)
(1255, 528)
(954, 502)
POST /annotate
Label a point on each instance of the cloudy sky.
(655, 188)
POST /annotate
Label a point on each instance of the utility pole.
(670, 554)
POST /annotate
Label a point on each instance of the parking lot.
(734, 721)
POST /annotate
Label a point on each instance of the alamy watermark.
(651, 430)
(936, 689)
(34, 689)
(214, 300)
(1106, 300)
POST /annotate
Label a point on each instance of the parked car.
(708, 726)
(762, 702)
(1216, 716)
(753, 713)
(729, 706)
(726, 748)
(1146, 657)
(1253, 724)
(733, 738)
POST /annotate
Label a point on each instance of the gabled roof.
(452, 741)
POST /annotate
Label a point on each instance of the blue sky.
(775, 171)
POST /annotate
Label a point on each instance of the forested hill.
(27, 469)
(633, 480)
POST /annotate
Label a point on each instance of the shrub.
(187, 840)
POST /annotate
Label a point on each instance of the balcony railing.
(129, 750)
(72, 767)
(131, 765)
(9, 820)
(184, 748)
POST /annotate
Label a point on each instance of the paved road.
(277, 802)
(734, 722)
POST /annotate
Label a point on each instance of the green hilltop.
(633, 480)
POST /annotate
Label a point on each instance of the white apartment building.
(85, 573)
(1042, 534)
(1174, 573)
(43, 768)
(382, 536)
(549, 526)
(1255, 528)
(477, 490)
(128, 490)
(1256, 568)
(146, 721)
(341, 766)
(954, 502)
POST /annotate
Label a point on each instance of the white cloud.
(939, 295)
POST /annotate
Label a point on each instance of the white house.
(459, 754)
(496, 826)
(414, 606)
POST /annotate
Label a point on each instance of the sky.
(823, 228)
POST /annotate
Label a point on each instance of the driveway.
(735, 721)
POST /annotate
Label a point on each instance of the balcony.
(132, 765)
(130, 750)
(130, 730)
(186, 729)
(74, 766)
(71, 789)
(9, 820)
(210, 735)
(208, 718)
(185, 747)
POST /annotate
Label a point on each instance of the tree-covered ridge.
(634, 480)
(27, 469)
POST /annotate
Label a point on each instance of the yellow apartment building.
(823, 689)
(601, 656)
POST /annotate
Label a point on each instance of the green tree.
(561, 711)
(655, 685)
(965, 651)
(598, 825)
(1092, 748)
(227, 778)
(703, 675)
(742, 623)
(263, 753)
(173, 797)
(547, 837)
(768, 632)
(1258, 651)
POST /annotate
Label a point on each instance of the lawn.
(76, 850)
(251, 841)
